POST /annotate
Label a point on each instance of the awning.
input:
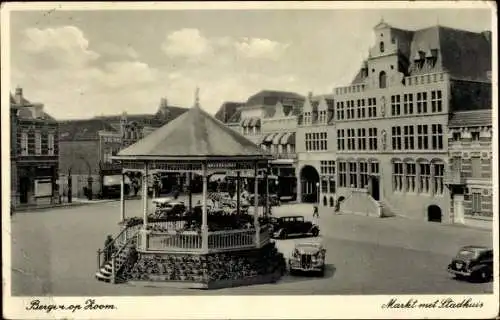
(284, 138)
(270, 137)
(277, 137)
(291, 139)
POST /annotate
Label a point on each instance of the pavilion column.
(145, 195)
(256, 210)
(122, 198)
(238, 191)
(190, 199)
(204, 222)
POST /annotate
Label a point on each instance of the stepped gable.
(471, 118)
(193, 135)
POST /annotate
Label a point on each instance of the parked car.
(168, 207)
(473, 263)
(308, 257)
(283, 227)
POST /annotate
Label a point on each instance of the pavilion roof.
(194, 135)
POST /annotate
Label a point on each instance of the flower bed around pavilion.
(208, 268)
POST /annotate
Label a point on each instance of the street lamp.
(317, 192)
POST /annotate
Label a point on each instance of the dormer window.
(381, 47)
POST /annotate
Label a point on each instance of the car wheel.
(322, 272)
(315, 232)
(483, 275)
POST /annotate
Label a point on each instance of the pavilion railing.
(185, 241)
(167, 225)
(230, 240)
(171, 241)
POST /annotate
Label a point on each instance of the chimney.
(310, 95)
(38, 111)
(19, 95)
(487, 35)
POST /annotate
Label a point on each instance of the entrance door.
(24, 184)
(375, 192)
(434, 214)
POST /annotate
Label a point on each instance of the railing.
(115, 266)
(425, 78)
(454, 177)
(265, 235)
(118, 241)
(229, 240)
(162, 241)
(167, 225)
(350, 89)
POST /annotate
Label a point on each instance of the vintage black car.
(308, 257)
(283, 227)
(168, 207)
(473, 263)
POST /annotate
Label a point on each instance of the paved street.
(54, 253)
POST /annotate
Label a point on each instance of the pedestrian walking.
(316, 212)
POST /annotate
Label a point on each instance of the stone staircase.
(105, 273)
(360, 202)
(122, 244)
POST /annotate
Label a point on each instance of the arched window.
(381, 46)
(382, 80)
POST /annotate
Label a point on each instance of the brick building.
(387, 144)
(87, 145)
(34, 153)
(269, 119)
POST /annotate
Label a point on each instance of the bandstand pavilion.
(201, 248)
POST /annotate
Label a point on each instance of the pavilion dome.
(193, 135)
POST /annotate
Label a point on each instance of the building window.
(436, 101)
(374, 170)
(307, 117)
(308, 142)
(340, 139)
(323, 167)
(475, 167)
(411, 176)
(363, 174)
(372, 107)
(395, 105)
(322, 116)
(381, 47)
(342, 174)
(422, 138)
(340, 110)
(425, 177)
(408, 103)
(331, 167)
(372, 138)
(382, 80)
(422, 102)
(324, 186)
(438, 178)
(362, 139)
(409, 138)
(476, 202)
(24, 143)
(475, 135)
(397, 176)
(396, 138)
(50, 147)
(361, 109)
(350, 109)
(332, 186)
(38, 143)
(437, 137)
(323, 141)
(353, 174)
(351, 139)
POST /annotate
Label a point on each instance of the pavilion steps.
(105, 273)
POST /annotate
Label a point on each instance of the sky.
(80, 64)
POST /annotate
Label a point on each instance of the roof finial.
(197, 97)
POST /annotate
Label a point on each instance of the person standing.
(316, 212)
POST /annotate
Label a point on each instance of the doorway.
(375, 190)
(434, 214)
(24, 185)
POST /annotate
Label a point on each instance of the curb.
(59, 206)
